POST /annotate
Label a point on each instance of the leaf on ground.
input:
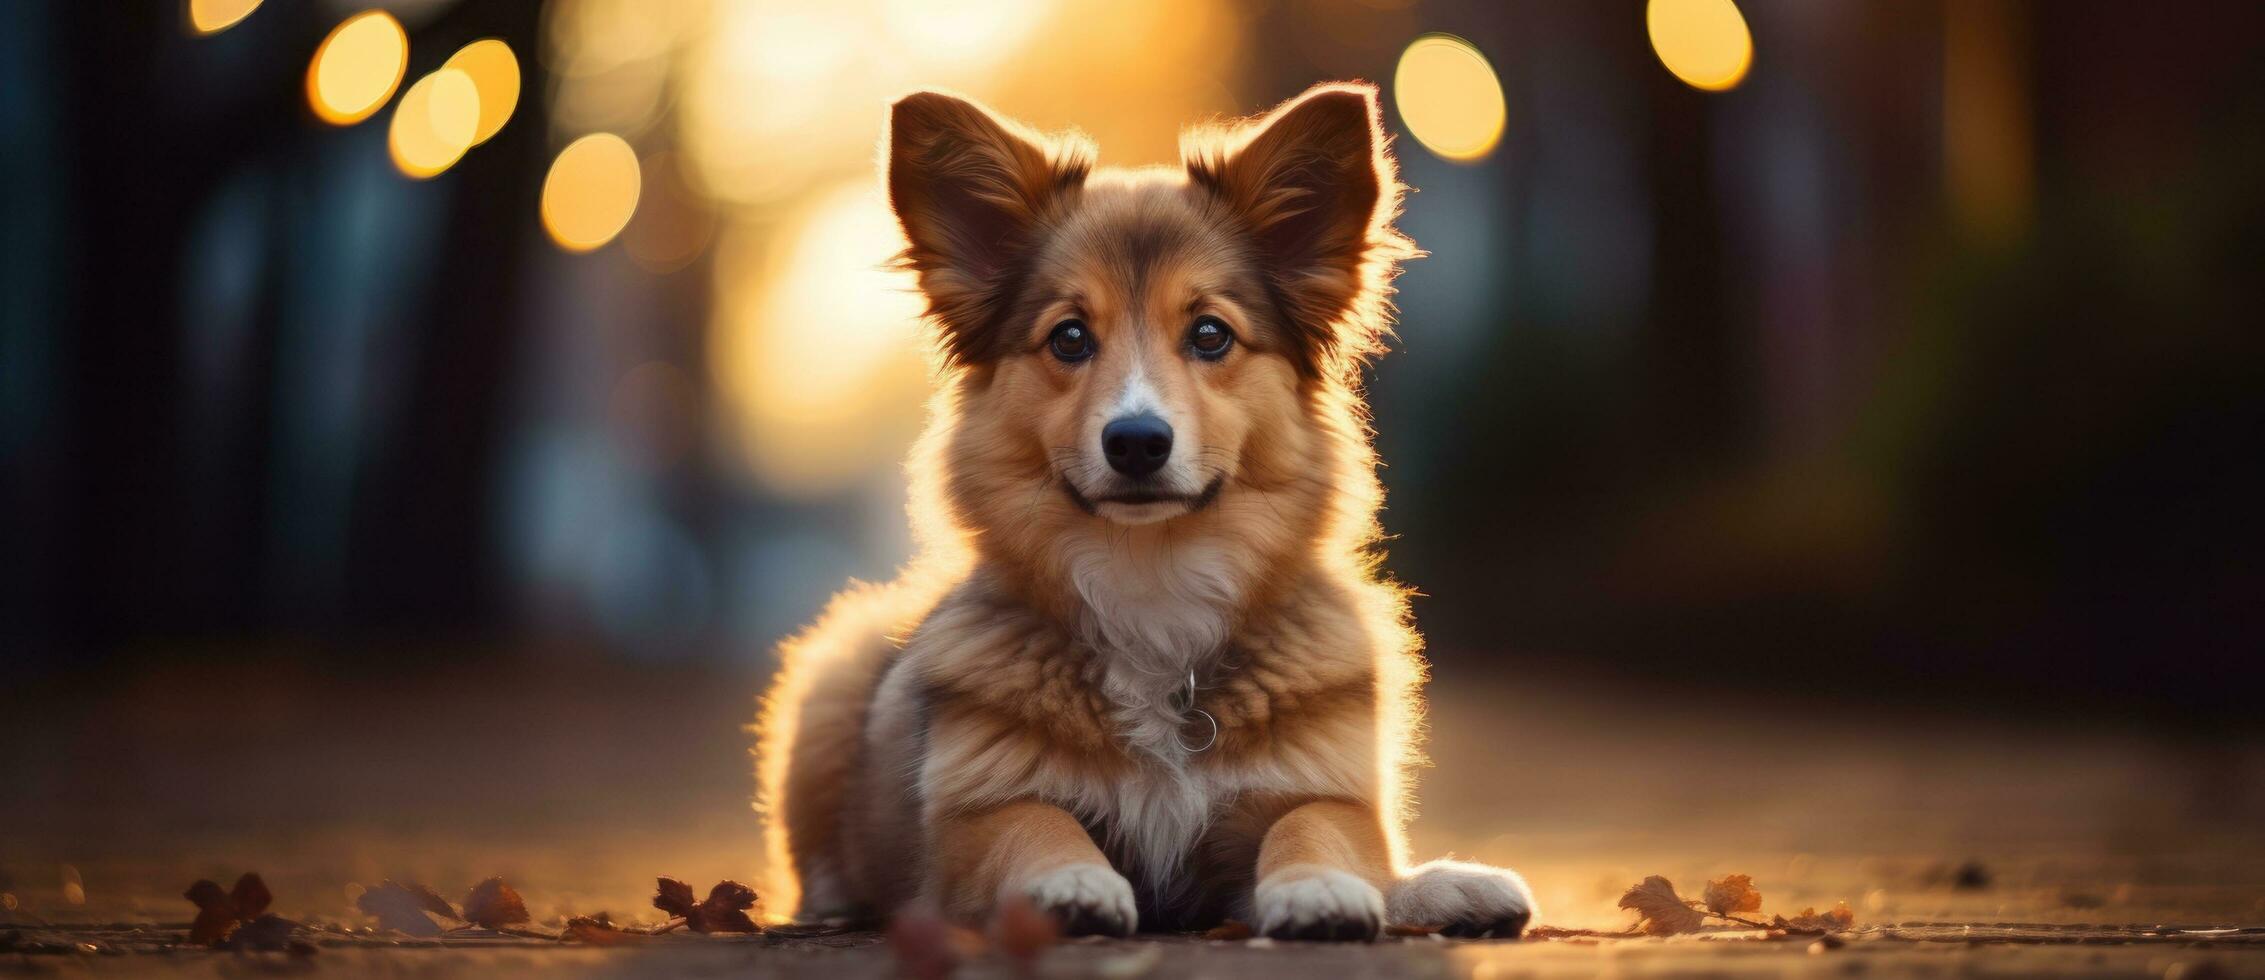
(219, 913)
(928, 948)
(406, 908)
(1022, 932)
(1836, 919)
(266, 932)
(585, 929)
(724, 910)
(1731, 894)
(1662, 911)
(1230, 931)
(493, 905)
(675, 898)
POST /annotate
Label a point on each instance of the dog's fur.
(1011, 718)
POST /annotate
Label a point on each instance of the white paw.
(1461, 899)
(1087, 899)
(1309, 902)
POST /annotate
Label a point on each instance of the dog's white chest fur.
(1154, 614)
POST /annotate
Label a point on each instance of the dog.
(1145, 672)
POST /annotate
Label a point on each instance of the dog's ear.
(1315, 189)
(971, 190)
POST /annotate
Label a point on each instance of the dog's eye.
(1210, 338)
(1071, 342)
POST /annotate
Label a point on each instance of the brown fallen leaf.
(724, 910)
(1836, 919)
(584, 929)
(927, 947)
(266, 932)
(407, 908)
(220, 913)
(1731, 894)
(1230, 931)
(1022, 932)
(493, 905)
(1662, 911)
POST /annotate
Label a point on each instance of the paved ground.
(1963, 847)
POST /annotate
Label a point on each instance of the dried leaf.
(584, 929)
(493, 905)
(1022, 932)
(1230, 931)
(1662, 911)
(927, 947)
(406, 908)
(724, 910)
(219, 914)
(675, 898)
(251, 896)
(1731, 894)
(267, 932)
(1840, 917)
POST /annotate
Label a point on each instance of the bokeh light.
(494, 70)
(357, 67)
(214, 16)
(591, 192)
(1449, 97)
(817, 344)
(435, 123)
(1703, 42)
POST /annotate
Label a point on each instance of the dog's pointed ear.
(972, 190)
(1316, 190)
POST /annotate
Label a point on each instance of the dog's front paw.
(1309, 902)
(1463, 900)
(1087, 899)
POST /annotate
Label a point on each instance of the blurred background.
(418, 420)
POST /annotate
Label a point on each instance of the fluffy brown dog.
(1145, 671)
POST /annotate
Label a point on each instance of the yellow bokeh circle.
(1703, 42)
(494, 69)
(357, 67)
(591, 192)
(435, 123)
(1449, 97)
(214, 16)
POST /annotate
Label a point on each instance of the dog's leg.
(1035, 851)
(1321, 873)
(1464, 900)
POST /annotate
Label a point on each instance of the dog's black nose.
(1137, 446)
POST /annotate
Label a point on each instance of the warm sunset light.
(591, 192)
(214, 16)
(1703, 42)
(1449, 97)
(435, 123)
(494, 70)
(817, 343)
(357, 67)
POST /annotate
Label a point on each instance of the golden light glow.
(591, 192)
(494, 70)
(357, 67)
(214, 16)
(435, 123)
(771, 109)
(1703, 42)
(817, 344)
(1449, 97)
